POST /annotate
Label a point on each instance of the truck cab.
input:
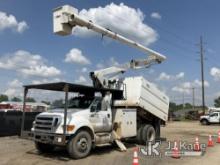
(86, 119)
(211, 118)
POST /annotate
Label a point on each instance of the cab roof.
(84, 89)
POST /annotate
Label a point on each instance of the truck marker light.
(70, 127)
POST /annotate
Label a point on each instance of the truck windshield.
(80, 102)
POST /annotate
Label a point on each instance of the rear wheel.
(80, 145)
(149, 134)
(139, 135)
(44, 148)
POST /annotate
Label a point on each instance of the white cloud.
(14, 89)
(186, 87)
(180, 75)
(28, 64)
(76, 56)
(10, 22)
(121, 19)
(82, 80)
(198, 83)
(215, 72)
(12, 92)
(99, 66)
(15, 84)
(84, 70)
(165, 76)
(44, 81)
(156, 15)
(113, 62)
(41, 71)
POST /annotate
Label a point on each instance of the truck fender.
(81, 123)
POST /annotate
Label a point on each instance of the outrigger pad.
(121, 145)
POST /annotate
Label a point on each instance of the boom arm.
(107, 77)
(65, 18)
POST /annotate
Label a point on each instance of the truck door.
(214, 118)
(101, 119)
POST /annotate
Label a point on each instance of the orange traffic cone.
(218, 140)
(197, 145)
(135, 157)
(175, 151)
(210, 141)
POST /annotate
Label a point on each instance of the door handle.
(108, 115)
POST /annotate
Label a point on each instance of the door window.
(96, 107)
(214, 115)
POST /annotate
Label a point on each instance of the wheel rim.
(151, 136)
(204, 122)
(82, 144)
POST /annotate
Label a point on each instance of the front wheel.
(80, 145)
(204, 122)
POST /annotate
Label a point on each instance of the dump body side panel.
(145, 96)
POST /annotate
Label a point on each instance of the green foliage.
(175, 107)
(217, 102)
(16, 99)
(3, 98)
(46, 102)
(30, 99)
(58, 103)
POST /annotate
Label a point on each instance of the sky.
(31, 53)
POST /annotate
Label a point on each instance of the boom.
(65, 18)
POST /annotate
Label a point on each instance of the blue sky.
(171, 27)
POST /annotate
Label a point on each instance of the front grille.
(45, 123)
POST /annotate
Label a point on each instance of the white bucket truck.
(111, 110)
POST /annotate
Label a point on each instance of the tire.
(204, 122)
(148, 134)
(44, 148)
(80, 145)
(139, 135)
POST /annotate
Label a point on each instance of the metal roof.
(60, 86)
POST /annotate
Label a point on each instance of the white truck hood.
(204, 117)
(60, 112)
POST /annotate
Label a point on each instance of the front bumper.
(49, 138)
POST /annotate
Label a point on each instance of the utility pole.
(202, 73)
(193, 97)
(183, 101)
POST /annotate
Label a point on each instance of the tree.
(58, 103)
(16, 99)
(46, 102)
(172, 106)
(3, 98)
(30, 99)
(217, 102)
(188, 106)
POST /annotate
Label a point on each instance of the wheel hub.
(82, 144)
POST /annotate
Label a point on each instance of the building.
(18, 106)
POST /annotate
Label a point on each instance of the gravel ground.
(15, 151)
